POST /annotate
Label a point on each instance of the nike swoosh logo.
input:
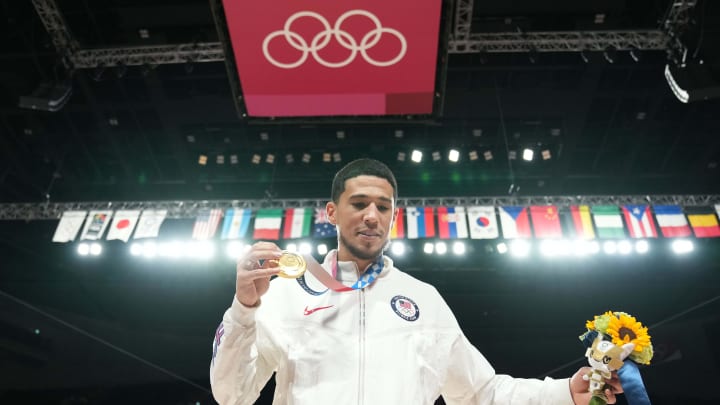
(310, 311)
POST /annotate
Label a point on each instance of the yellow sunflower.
(624, 328)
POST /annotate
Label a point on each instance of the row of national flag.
(453, 222)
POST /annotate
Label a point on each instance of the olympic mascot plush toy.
(616, 341)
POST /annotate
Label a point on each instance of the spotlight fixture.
(477, 132)
(336, 157)
(528, 154)
(488, 155)
(435, 156)
(610, 54)
(473, 155)
(220, 159)
(202, 160)
(340, 134)
(327, 157)
(453, 155)
(399, 133)
(289, 158)
(264, 136)
(270, 158)
(401, 156)
(416, 156)
(306, 158)
(256, 159)
(233, 159)
(512, 155)
(546, 155)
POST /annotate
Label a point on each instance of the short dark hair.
(362, 167)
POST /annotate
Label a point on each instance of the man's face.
(364, 215)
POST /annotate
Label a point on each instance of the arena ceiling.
(133, 133)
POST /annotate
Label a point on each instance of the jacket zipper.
(361, 350)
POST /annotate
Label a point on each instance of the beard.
(360, 253)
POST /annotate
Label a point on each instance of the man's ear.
(330, 209)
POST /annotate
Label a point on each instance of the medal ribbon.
(329, 281)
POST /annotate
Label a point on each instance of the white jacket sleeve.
(240, 367)
(472, 380)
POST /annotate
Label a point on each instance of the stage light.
(306, 158)
(477, 132)
(149, 250)
(233, 159)
(610, 54)
(416, 156)
(519, 248)
(453, 155)
(552, 248)
(305, 248)
(435, 156)
(502, 248)
(220, 159)
(340, 134)
(256, 159)
(202, 160)
(291, 247)
(441, 248)
(136, 249)
(397, 248)
(458, 248)
(682, 246)
(326, 157)
(234, 249)
(473, 155)
(546, 155)
(428, 248)
(83, 249)
(399, 133)
(289, 158)
(264, 136)
(95, 249)
(488, 155)
(528, 154)
(336, 157)
(610, 247)
(512, 155)
(401, 156)
(270, 158)
(642, 246)
(624, 247)
(322, 249)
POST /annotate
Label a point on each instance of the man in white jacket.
(384, 338)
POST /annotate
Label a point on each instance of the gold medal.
(291, 265)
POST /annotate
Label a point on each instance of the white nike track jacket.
(395, 342)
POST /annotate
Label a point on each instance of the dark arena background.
(144, 144)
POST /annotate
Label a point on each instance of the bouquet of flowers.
(616, 341)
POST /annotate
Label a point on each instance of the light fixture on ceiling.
(435, 156)
(289, 158)
(399, 133)
(528, 154)
(416, 156)
(477, 132)
(488, 155)
(340, 134)
(326, 157)
(270, 158)
(337, 158)
(233, 159)
(401, 156)
(454, 155)
(256, 159)
(512, 155)
(202, 160)
(306, 158)
(546, 155)
(264, 136)
(473, 155)
(220, 159)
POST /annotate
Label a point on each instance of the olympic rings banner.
(300, 58)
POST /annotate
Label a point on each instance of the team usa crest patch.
(405, 308)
